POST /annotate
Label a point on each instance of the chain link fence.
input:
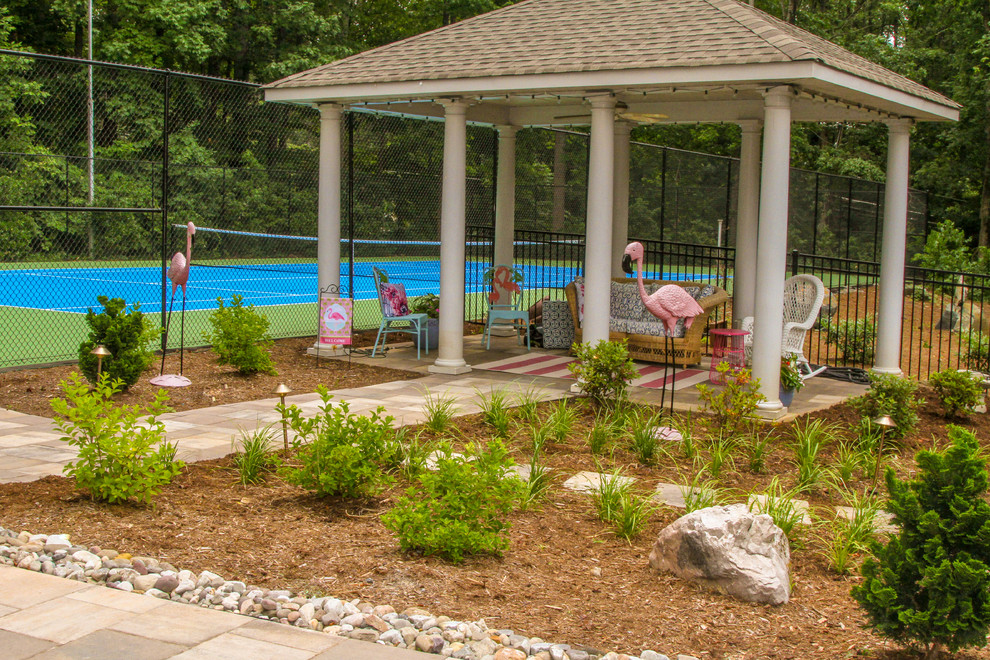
(88, 212)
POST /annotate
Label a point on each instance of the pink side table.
(727, 346)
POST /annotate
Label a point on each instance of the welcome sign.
(336, 315)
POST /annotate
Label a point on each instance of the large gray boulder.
(730, 549)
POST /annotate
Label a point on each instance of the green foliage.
(602, 434)
(844, 539)
(643, 428)
(720, 454)
(733, 406)
(127, 334)
(978, 352)
(809, 439)
(118, 458)
(779, 504)
(428, 303)
(604, 371)
(338, 453)
(890, 395)
(699, 494)
(855, 339)
(461, 508)
(239, 336)
(255, 457)
(946, 248)
(958, 391)
(759, 448)
(440, 411)
(527, 402)
(495, 411)
(930, 584)
(562, 419)
(616, 504)
(790, 377)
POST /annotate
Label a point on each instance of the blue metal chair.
(416, 323)
(504, 303)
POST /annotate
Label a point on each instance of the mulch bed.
(566, 576)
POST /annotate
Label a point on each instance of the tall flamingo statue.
(668, 303)
(178, 274)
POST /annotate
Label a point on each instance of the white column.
(598, 243)
(772, 246)
(452, 237)
(505, 194)
(620, 201)
(328, 199)
(747, 222)
(890, 301)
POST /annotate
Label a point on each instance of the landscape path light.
(884, 422)
(100, 352)
(281, 391)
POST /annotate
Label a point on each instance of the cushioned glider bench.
(629, 319)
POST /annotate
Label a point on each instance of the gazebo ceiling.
(536, 62)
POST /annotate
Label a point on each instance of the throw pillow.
(394, 302)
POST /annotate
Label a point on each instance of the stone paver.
(759, 502)
(585, 482)
(58, 619)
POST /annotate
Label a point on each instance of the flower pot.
(787, 396)
(432, 335)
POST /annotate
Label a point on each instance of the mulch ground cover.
(566, 577)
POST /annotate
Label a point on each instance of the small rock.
(510, 654)
(124, 585)
(363, 634)
(372, 621)
(356, 620)
(391, 637)
(145, 582)
(652, 655)
(139, 566)
(429, 643)
(167, 583)
(56, 542)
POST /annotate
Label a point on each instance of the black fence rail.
(945, 324)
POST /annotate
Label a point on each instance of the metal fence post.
(794, 262)
(165, 176)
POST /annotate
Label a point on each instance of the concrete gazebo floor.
(818, 394)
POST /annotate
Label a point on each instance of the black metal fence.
(169, 148)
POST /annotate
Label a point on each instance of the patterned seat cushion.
(654, 328)
(558, 326)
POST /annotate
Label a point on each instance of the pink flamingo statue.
(178, 274)
(668, 303)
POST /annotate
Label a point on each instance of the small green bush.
(733, 405)
(958, 391)
(122, 452)
(890, 395)
(604, 371)
(461, 508)
(339, 453)
(255, 457)
(930, 584)
(239, 336)
(129, 337)
(855, 339)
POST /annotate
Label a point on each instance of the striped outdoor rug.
(555, 366)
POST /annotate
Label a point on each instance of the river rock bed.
(413, 628)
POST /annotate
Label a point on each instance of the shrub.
(946, 248)
(339, 453)
(978, 352)
(128, 335)
(117, 454)
(461, 508)
(255, 457)
(604, 370)
(930, 584)
(957, 391)
(890, 395)
(855, 339)
(809, 439)
(440, 410)
(239, 336)
(734, 405)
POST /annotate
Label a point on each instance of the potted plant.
(428, 304)
(790, 378)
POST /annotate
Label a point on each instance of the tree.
(930, 584)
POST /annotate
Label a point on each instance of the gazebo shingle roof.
(558, 36)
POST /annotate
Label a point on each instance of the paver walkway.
(46, 617)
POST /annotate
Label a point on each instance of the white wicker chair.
(803, 296)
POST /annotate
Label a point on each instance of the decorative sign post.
(336, 315)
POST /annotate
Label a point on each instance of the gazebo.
(611, 64)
